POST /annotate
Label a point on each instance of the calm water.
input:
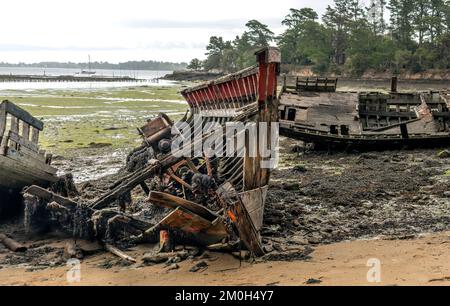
(148, 75)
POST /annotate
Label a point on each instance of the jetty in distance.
(67, 78)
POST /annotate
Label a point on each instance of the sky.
(119, 31)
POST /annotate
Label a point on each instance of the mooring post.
(394, 84)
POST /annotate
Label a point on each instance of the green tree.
(195, 65)
(214, 53)
(402, 26)
(258, 34)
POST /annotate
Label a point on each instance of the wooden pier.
(66, 78)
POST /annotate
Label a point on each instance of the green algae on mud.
(96, 118)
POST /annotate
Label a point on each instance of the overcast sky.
(117, 31)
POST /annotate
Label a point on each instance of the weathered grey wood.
(22, 142)
(2, 120)
(50, 197)
(30, 161)
(23, 115)
(119, 253)
(4, 145)
(25, 131)
(14, 124)
(16, 173)
(240, 217)
(34, 135)
(254, 201)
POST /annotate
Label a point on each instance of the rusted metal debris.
(313, 111)
(215, 202)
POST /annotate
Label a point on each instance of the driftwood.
(119, 253)
(163, 257)
(12, 244)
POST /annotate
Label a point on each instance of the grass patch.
(79, 118)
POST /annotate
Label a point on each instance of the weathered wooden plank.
(119, 253)
(25, 131)
(170, 201)
(34, 135)
(254, 201)
(239, 215)
(14, 125)
(197, 228)
(22, 142)
(23, 115)
(30, 161)
(2, 120)
(50, 197)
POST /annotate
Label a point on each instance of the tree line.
(351, 37)
(130, 65)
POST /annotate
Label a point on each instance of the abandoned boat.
(313, 111)
(21, 162)
(212, 199)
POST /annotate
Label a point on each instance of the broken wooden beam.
(50, 197)
(12, 244)
(136, 179)
(170, 201)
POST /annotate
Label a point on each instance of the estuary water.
(150, 78)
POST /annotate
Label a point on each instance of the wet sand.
(422, 261)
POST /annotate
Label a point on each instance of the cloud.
(223, 24)
(148, 45)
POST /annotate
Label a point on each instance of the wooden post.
(394, 84)
(25, 131)
(14, 124)
(269, 61)
(34, 135)
(2, 120)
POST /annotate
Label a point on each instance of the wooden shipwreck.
(22, 163)
(212, 199)
(313, 110)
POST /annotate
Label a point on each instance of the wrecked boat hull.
(21, 162)
(378, 143)
(315, 112)
(212, 198)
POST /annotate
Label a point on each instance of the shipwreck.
(312, 110)
(209, 200)
(22, 163)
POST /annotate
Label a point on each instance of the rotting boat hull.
(316, 113)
